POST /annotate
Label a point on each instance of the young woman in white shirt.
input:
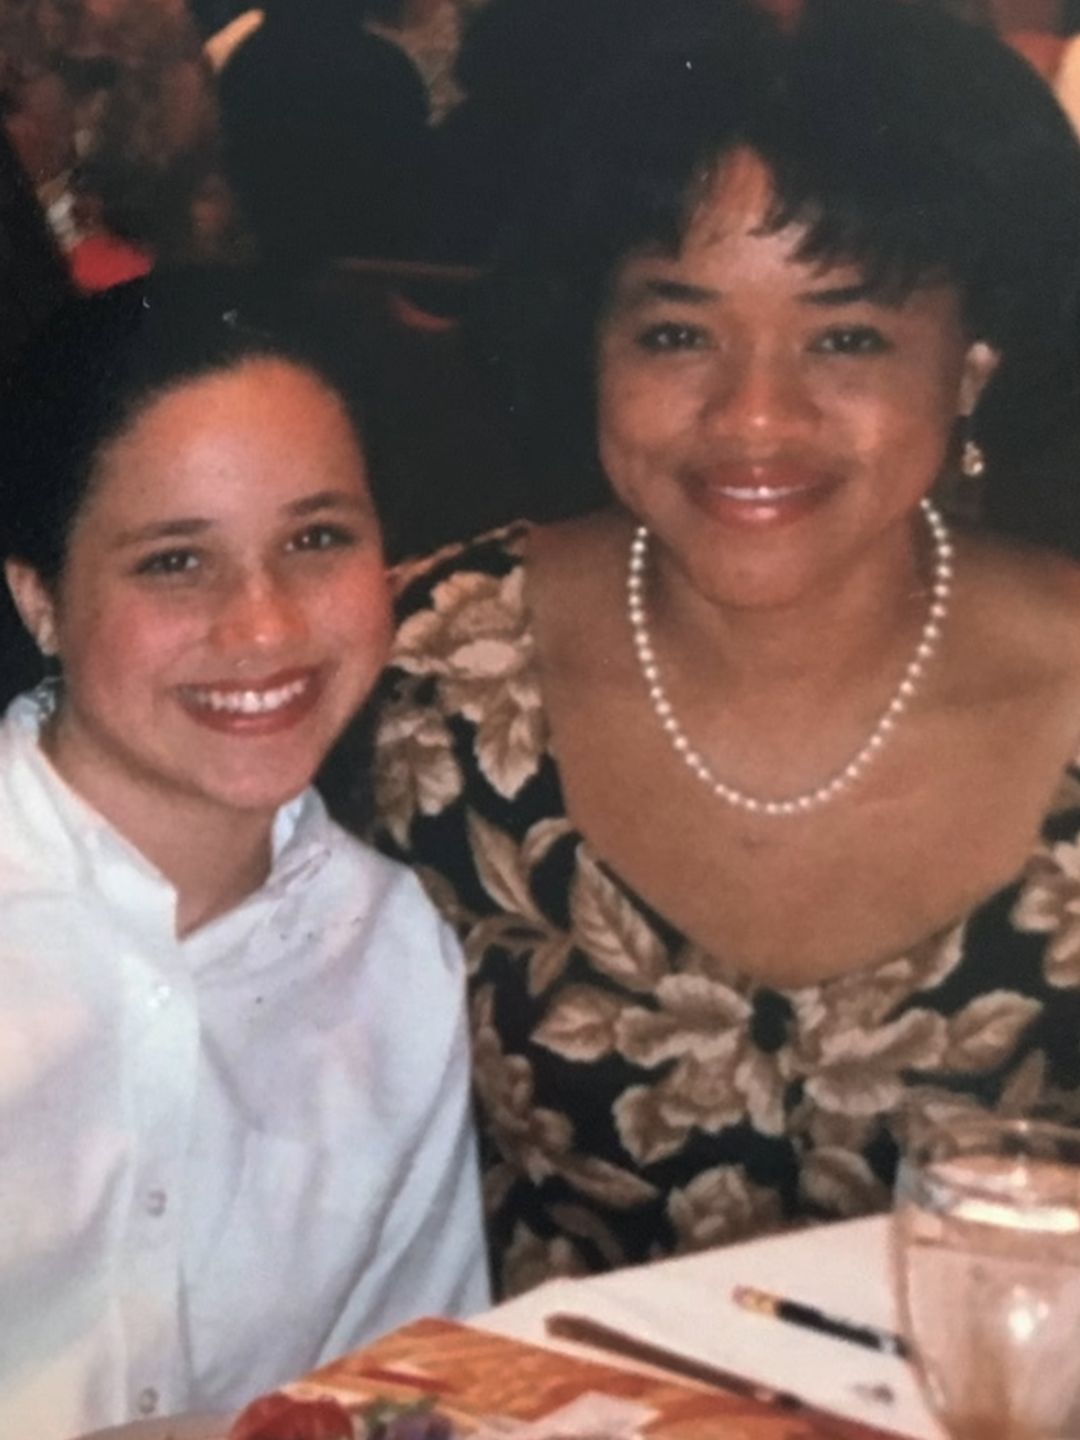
(233, 1071)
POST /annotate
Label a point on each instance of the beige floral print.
(1049, 904)
(528, 1260)
(416, 772)
(474, 639)
(531, 1137)
(539, 1141)
(719, 1206)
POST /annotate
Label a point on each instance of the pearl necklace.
(853, 770)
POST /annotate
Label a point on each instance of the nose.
(759, 396)
(257, 615)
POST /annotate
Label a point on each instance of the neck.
(777, 701)
(213, 868)
(861, 622)
(213, 856)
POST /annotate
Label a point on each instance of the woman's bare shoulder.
(579, 539)
(579, 561)
(576, 585)
(1022, 604)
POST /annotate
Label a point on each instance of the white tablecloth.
(686, 1305)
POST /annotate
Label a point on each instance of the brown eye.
(168, 563)
(851, 340)
(670, 335)
(323, 537)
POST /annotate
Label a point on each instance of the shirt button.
(156, 1201)
(148, 1400)
(160, 996)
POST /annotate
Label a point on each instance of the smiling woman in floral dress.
(751, 794)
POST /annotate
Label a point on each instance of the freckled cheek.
(126, 644)
(354, 619)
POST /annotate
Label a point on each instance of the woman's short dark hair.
(101, 360)
(909, 143)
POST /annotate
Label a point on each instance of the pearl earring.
(972, 460)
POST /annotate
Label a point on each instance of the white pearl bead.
(906, 689)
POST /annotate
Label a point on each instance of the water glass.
(986, 1245)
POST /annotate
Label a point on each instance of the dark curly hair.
(910, 143)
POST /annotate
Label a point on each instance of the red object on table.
(281, 1417)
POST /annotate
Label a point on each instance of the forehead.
(732, 245)
(249, 437)
(731, 224)
(732, 253)
(266, 384)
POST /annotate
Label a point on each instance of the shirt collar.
(69, 839)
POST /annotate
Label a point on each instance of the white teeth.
(759, 492)
(249, 702)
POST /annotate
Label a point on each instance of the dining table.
(687, 1305)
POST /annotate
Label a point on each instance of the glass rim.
(991, 1126)
(922, 1167)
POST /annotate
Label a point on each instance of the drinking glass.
(986, 1246)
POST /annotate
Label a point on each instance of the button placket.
(155, 1203)
(147, 1401)
(163, 1056)
(160, 996)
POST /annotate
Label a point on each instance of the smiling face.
(769, 420)
(223, 607)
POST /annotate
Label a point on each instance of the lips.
(759, 494)
(258, 707)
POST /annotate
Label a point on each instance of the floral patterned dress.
(639, 1097)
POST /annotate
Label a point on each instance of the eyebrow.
(326, 500)
(842, 295)
(186, 527)
(656, 287)
(681, 292)
(177, 529)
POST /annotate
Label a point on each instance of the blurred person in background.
(325, 130)
(110, 106)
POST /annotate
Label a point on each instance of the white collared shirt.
(227, 1158)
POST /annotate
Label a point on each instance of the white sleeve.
(431, 1257)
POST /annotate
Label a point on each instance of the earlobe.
(979, 365)
(35, 604)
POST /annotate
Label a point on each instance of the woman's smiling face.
(223, 607)
(767, 418)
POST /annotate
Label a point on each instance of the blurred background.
(364, 154)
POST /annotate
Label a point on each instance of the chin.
(256, 793)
